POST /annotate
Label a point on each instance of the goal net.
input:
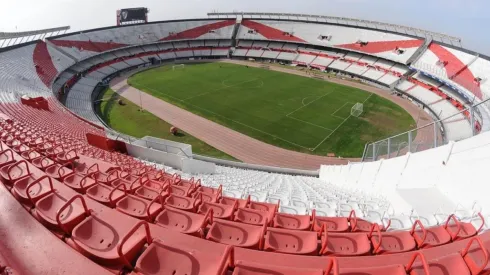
(178, 67)
(357, 109)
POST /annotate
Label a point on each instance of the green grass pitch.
(289, 111)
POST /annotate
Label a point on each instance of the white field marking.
(258, 86)
(290, 142)
(331, 133)
(303, 101)
(338, 117)
(333, 114)
(137, 83)
(309, 103)
(338, 126)
(222, 88)
(367, 98)
(312, 124)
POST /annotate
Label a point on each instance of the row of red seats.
(59, 217)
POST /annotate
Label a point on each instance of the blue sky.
(468, 19)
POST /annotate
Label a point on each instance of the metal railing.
(160, 146)
(432, 135)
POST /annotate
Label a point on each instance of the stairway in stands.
(60, 50)
(235, 32)
(419, 52)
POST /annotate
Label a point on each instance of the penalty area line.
(316, 147)
(248, 126)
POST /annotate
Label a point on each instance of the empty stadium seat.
(291, 241)
(237, 234)
(183, 203)
(107, 195)
(219, 211)
(184, 222)
(161, 258)
(295, 222)
(250, 216)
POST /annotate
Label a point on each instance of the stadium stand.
(367, 41)
(112, 213)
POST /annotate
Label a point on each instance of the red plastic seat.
(12, 143)
(12, 172)
(192, 183)
(220, 211)
(174, 179)
(152, 181)
(458, 263)
(429, 237)
(146, 193)
(250, 216)
(394, 269)
(105, 178)
(178, 190)
(84, 169)
(291, 241)
(79, 183)
(130, 177)
(208, 190)
(391, 242)
(131, 186)
(107, 195)
(241, 203)
(42, 162)
(461, 230)
(53, 151)
(270, 208)
(361, 225)
(160, 258)
(249, 268)
(207, 197)
(21, 148)
(6, 157)
(45, 148)
(30, 189)
(152, 175)
(59, 171)
(184, 222)
(68, 156)
(237, 234)
(47, 208)
(183, 203)
(333, 224)
(140, 208)
(344, 244)
(99, 240)
(30, 155)
(293, 222)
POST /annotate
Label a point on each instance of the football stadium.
(243, 143)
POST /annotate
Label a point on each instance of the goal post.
(178, 67)
(357, 109)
